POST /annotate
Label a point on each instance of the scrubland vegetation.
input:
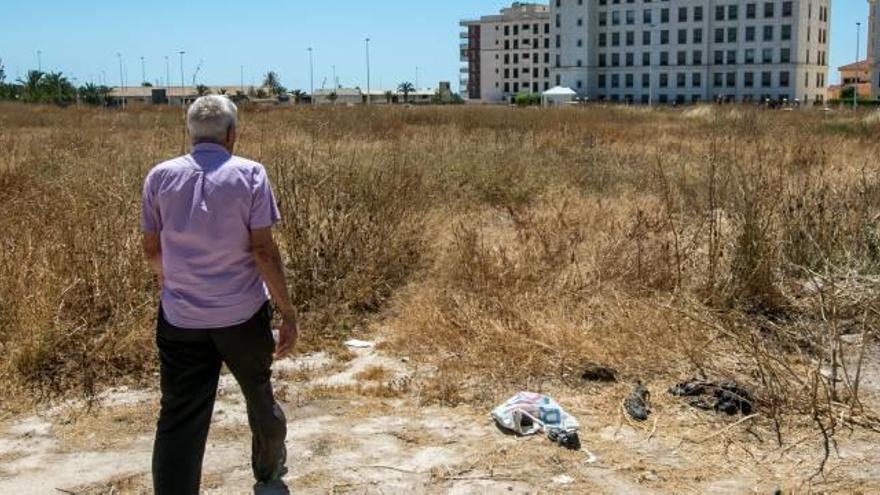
(496, 247)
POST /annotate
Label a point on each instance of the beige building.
(692, 50)
(856, 75)
(874, 47)
(660, 51)
(506, 54)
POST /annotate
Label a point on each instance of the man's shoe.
(276, 487)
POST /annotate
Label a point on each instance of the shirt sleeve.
(264, 209)
(151, 220)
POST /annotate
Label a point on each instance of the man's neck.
(223, 145)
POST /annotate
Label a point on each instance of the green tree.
(2, 72)
(91, 94)
(57, 89)
(332, 97)
(406, 88)
(202, 90)
(31, 87)
(389, 97)
(298, 95)
(273, 82)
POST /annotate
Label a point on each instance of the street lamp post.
(417, 78)
(121, 80)
(311, 76)
(167, 72)
(858, 47)
(143, 71)
(241, 67)
(369, 96)
(40, 60)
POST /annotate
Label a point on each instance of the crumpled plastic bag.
(528, 413)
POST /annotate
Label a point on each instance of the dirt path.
(356, 427)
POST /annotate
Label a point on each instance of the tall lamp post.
(858, 54)
(143, 71)
(167, 72)
(121, 80)
(40, 60)
(311, 76)
(369, 96)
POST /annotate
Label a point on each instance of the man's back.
(204, 206)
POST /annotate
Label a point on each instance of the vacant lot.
(497, 249)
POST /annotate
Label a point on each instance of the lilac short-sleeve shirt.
(204, 206)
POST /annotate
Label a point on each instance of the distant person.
(207, 219)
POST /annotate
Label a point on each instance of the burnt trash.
(726, 397)
(597, 373)
(636, 404)
(568, 439)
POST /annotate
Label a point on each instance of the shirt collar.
(209, 148)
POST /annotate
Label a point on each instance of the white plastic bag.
(528, 413)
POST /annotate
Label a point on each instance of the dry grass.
(503, 248)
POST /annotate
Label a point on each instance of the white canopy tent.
(557, 96)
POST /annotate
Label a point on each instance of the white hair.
(210, 117)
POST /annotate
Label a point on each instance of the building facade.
(670, 51)
(874, 46)
(506, 54)
(693, 50)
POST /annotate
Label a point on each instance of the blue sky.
(82, 38)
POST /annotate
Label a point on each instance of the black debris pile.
(636, 404)
(565, 438)
(597, 373)
(725, 397)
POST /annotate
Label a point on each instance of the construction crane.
(196, 73)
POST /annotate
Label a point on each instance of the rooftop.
(862, 65)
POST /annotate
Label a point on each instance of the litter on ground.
(725, 397)
(528, 413)
(359, 344)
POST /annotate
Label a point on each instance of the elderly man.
(207, 219)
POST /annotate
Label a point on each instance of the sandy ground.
(358, 427)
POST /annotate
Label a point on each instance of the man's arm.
(271, 267)
(153, 254)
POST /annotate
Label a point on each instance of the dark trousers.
(190, 370)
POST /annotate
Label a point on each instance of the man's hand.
(288, 333)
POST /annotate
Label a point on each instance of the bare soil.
(358, 426)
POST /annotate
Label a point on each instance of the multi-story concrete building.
(874, 46)
(666, 51)
(692, 50)
(506, 54)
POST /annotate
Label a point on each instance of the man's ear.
(231, 135)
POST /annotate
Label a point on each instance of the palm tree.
(406, 88)
(202, 90)
(389, 97)
(31, 90)
(57, 89)
(298, 95)
(332, 97)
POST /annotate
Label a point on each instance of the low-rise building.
(856, 75)
(176, 95)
